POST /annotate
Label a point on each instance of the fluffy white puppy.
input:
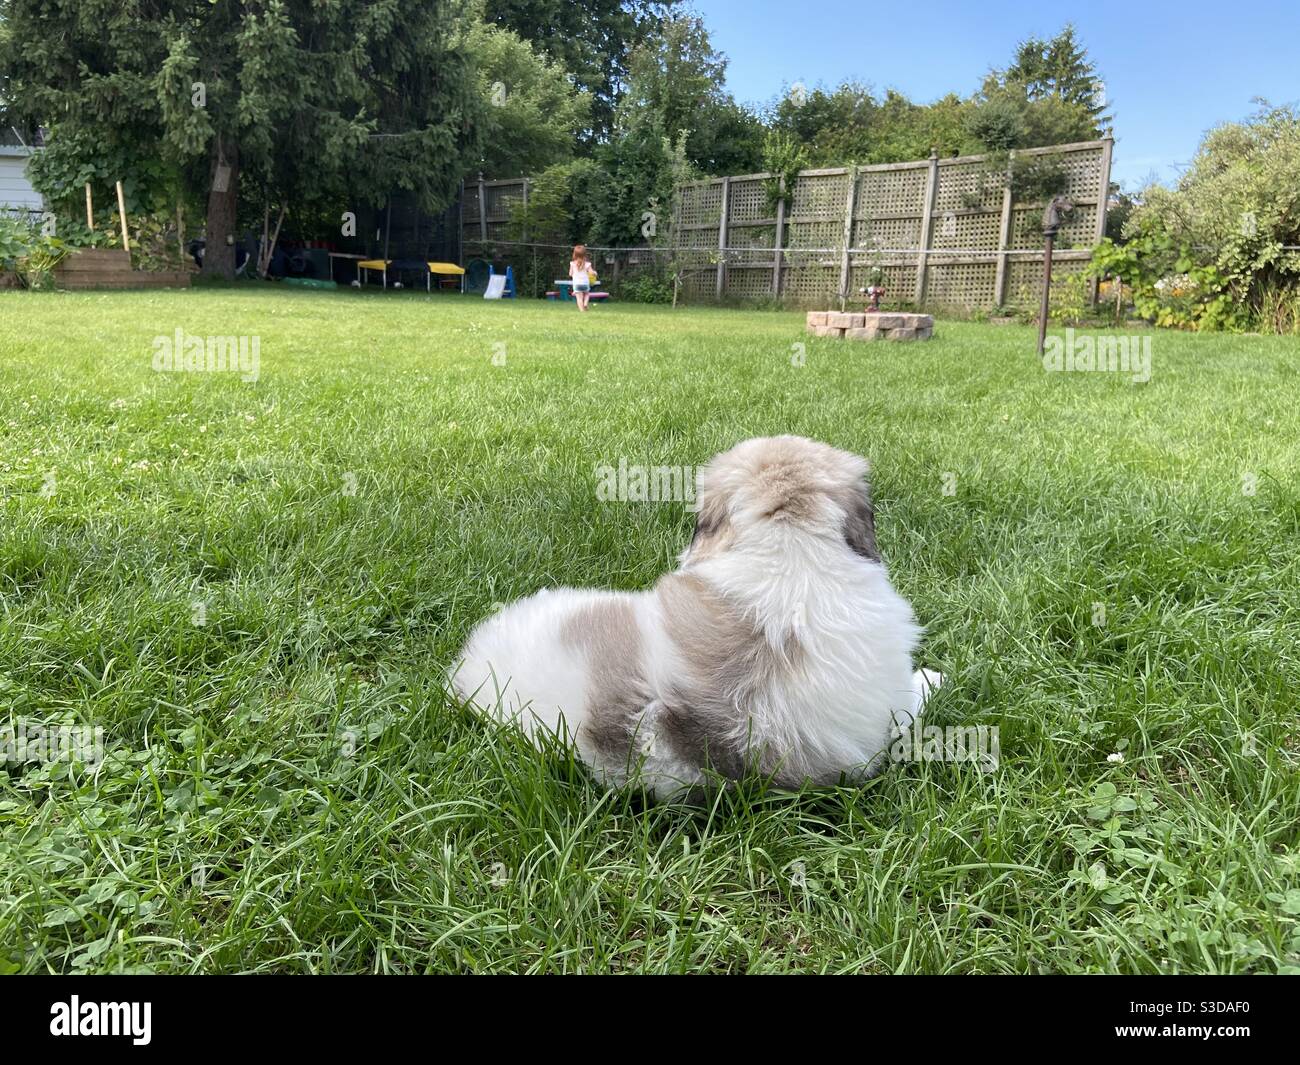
(778, 645)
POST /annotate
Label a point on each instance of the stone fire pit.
(871, 325)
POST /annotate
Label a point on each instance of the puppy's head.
(785, 482)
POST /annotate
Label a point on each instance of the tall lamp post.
(1053, 217)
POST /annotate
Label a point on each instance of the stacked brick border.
(871, 325)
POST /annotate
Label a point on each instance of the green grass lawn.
(255, 589)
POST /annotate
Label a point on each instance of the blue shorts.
(581, 288)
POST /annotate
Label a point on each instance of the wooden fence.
(485, 210)
(940, 232)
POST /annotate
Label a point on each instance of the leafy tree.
(783, 158)
(639, 170)
(675, 88)
(306, 99)
(592, 40)
(849, 125)
(728, 139)
(60, 64)
(903, 130)
(998, 123)
(1119, 210)
(673, 73)
(536, 113)
(559, 208)
(833, 126)
(673, 122)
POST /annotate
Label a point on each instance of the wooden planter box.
(111, 268)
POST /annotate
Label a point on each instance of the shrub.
(29, 253)
(1169, 288)
(1069, 297)
(1218, 251)
(650, 287)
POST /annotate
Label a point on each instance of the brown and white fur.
(778, 645)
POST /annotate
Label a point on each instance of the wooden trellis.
(941, 232)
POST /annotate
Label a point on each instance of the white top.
(581, 275)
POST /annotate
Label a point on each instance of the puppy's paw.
(924, 684)
(927, 682)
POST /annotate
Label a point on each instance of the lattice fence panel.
(819, 197)
(891, 192)
(811, 283)
(887, 234)
(1025, 279)
(1079, 231)
(822, 235)
(960, 284)
(502, 198)
(891, 217)
(705, 239)
(701, 204)
(976, 232)
(751, 245)
(968, 186)
(814, 234)
(1083, 174)
(749, 283)
(699, 274)
(499, 199)
(899, 279)
(747, 201)
(1027, 229)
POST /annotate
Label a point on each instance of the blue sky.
(1171, 70)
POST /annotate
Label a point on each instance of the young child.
(583, 275)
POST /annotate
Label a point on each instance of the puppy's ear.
(710, 526)
(708, 522)
(860, 524)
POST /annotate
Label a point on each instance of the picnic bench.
(564, 291)
(444, 270)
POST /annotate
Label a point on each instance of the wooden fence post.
(482, 210)
(776, 245)
(525, 231)
(927, 228)
(1004, 242)
(850, 202)
(1103, 201)
(121, 213)
(722, 236)
(532, 278)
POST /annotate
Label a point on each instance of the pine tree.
(1060, 69)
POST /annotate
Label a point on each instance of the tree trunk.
(219, 252)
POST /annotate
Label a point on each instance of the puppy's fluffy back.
(779, 644)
